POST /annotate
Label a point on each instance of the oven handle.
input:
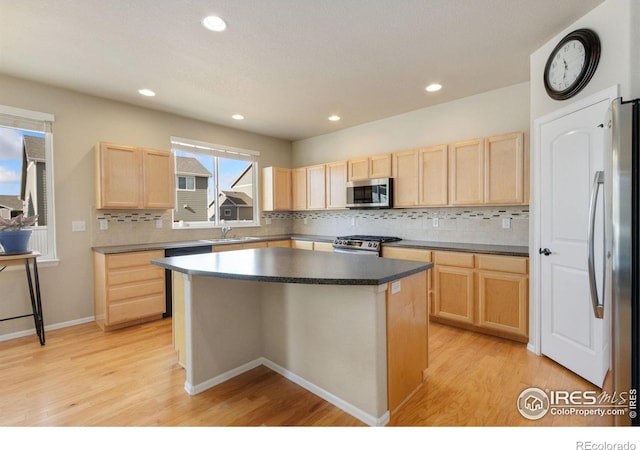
(355, 251)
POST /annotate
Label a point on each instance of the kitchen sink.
(234, 239)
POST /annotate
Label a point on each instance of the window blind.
(190, 145)
(24, 119)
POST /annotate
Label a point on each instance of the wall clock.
(571, 64)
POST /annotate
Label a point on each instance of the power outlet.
(158, 223)
(436, 222)
(305, 221)
(267, 220)
(104, 224)
(506, 224)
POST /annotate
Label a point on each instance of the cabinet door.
(337, 185)
(316, 195)
(276, 189)
(358, 169)
(299, 191)
(504, 169)
(434, 177)
(118, 176)
(454, 293)
(159, 179)
(380, 166)
(303, 245)
(405, 178)
(503, 302)
(466, 173)
(323, 246)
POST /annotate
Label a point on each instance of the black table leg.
(36, 301)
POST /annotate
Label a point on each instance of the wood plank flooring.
(130, 377)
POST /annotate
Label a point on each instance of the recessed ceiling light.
(334, 118)
(433, 87)
(237, 117)
(147, 92)
(214, 23)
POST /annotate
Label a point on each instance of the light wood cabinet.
(133, 178)
(413, 254)
(454, 286)
(376, 166)
(336, 185)
(282, 243)
(238, 246)
(487, 293)
(407, 335)
(276, 189)
(312, 245)
(433, 177)
(504, 169)
(299, 189)
(316, 187)
(466, 172)
(128, 289)
(405, 179)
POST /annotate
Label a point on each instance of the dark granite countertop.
(288, 265)
(507, 250)
(110, 249)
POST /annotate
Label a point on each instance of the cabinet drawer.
(323, 246)
(304, 245)
(455, 259)
(512, 264)
(117, 277)
(411, 254)
(136, 309)
(132, 259)
(133, 290)
(282, 243)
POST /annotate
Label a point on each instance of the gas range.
(361, 244)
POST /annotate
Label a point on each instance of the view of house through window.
(215, 185)
(23, 182)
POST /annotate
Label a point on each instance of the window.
(26, 173)
(216, 185)
(187, 183)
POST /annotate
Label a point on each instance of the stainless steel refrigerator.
(622, 194)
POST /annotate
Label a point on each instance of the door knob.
(544, 251)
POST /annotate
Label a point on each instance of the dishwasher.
(179, 251)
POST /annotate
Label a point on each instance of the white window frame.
(24, 119)
(187, 178)
(222, 151)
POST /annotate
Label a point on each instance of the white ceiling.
(286, 65)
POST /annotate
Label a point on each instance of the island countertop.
(288, 265)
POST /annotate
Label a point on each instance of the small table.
(34, 286)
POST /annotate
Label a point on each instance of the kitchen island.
(351, 329)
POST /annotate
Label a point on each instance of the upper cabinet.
(376, 166)
(316, 187)
(336, 185)
(276, 189)
(504, 172)
(405, 179)
(133, 178)
(434, 175)
(299, 189)
(466, 172)
(489, 171)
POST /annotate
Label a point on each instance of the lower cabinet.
(128, 289)
(311, 245)
(481, 292)
(487, 293)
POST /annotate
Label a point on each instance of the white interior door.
(572, 150)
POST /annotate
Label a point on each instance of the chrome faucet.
(225, 230)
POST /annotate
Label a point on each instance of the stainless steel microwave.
(372, 193)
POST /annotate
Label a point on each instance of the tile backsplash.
(476, 225)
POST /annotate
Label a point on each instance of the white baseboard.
(55, 326)
(325, 395)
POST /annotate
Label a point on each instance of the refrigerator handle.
(598, 307)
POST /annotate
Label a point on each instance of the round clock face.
(571, 64)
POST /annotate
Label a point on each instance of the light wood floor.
(130, 377)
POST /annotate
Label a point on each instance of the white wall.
(617, 23)
(80, 122)
(495, 112)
